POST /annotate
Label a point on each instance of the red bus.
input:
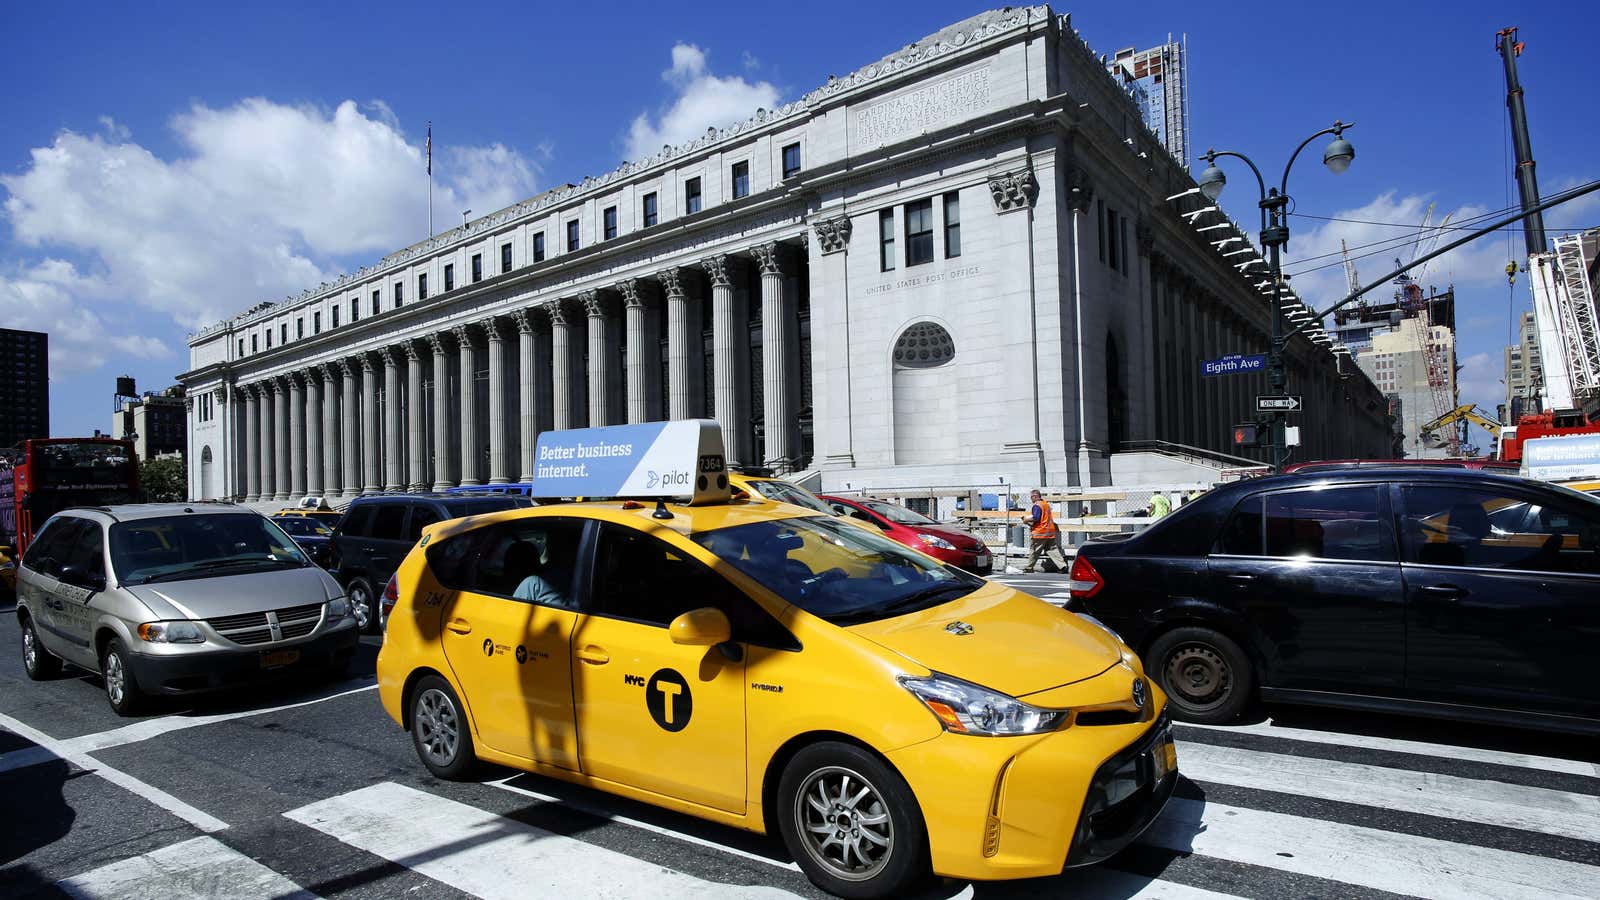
(50, 474)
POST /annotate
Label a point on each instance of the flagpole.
(430, 179)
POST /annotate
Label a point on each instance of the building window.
(316, 323)
(741, 180)
(505, 258)
(283, 333)
(923, 346)
(952, 225)
(1100, 227)
(651, 215)
(269, 337)
(538, 247)
(919, 232)
(449, 277)
(335, 311)
(422, 288)
(791, 161)
(610, 216)
(886, 240)
(300, 328)
(355, 310)
(399, 293)
(241, 346)
(477, 267)
(376, 307)
(1122, 242)
(691, 196)
(1111, 232)
(572, 235)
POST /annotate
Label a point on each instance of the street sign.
(1245, 436)
(1233, 364)
(1278, 404)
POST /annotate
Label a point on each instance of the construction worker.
(1042, 536)
(1160, 505)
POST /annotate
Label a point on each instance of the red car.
(945, 543)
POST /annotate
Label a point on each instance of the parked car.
(314, 536)
(1478, 463)
(1446, 592)
(946, 543)
(516, 489)
(168, 599)
(329, 517)
(377, 532)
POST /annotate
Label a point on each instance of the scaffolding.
(1576, 312)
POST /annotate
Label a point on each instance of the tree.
(163, 479)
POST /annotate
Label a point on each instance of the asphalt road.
(308, 789)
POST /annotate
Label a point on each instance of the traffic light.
(1246, 435)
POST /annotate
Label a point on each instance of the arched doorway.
(206, 490)
(926, 428)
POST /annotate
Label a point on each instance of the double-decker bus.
(50, 474)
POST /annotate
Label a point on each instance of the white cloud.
(703, 101)
(268, 199)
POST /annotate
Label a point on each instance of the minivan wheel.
(121, 690)
(359, 591)
(851, 822)
(1207, 676)
(39, 663)
(440, 732)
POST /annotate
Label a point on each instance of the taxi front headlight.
(171, 633)
(967, 708)
(338, 608)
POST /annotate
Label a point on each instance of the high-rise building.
(1158, 79)
(1397, 362)
(24, 386)
(155, 423)
(1524, 370)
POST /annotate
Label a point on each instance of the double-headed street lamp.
(1274, 236)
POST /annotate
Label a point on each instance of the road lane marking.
(1543, 810)
(1397, 745)
(1369, 857)
(201, 820)
(201, 868)
(145, 729)
(1091, 883)
(491, 856)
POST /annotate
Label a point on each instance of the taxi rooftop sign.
(1561, 457)
(653, 460)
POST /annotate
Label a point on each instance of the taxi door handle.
(594, 656)
(459, 626)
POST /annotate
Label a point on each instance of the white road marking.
(1423, 748)
(491, 856)
(597, 812)
(201, 820)
(1093, 883)
(1470, 800)
(201, 868)
(1370, 857)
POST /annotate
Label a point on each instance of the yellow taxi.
(326, 516)
(770, 669)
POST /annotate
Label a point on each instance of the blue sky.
(165, 165)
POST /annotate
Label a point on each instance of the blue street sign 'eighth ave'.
(1233, 364)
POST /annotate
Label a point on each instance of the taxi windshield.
(837, 571)
(784, 492)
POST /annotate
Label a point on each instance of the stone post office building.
(956, 263)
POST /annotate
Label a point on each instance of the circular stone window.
(923, 346)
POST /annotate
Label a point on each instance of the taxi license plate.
(1165, 757)
(276, 658)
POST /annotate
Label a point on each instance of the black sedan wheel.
(1206, 675)
(362, 605)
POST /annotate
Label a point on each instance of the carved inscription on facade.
(922, 110)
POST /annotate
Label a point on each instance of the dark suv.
(377, 532)
(1444, 592)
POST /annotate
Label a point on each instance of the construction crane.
(1355, 280)
(1467, 412)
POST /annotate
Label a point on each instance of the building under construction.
(1158, 80)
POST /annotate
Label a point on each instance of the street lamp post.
(1274, 204)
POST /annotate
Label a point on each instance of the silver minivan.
(167, 599)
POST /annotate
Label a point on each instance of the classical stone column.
(499, 437)
(469, 406)
(725, 355)
(527, 408)
(311, 413)
(297, 438)
(561, 364)
(393, 449)
(416, 422)
(441, 411)
(370, 468)
(597, 306)
(252, 444)
(349, 423)
(678, 345)
(638, 379)
(777, 343)
(280, 441)
(330, 428)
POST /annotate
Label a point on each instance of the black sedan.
(315, 538)
(1440, 592)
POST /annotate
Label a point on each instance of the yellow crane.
(1467, 412)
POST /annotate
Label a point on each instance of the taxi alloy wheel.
(851, 822)
(440, 731)
(361, 605)
(38, 662)
(1206, 675)
(122, 692)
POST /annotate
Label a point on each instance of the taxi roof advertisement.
(654, 460)
(1569, 456)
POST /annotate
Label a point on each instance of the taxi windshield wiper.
(920, 599)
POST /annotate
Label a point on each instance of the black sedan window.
(1449, 526)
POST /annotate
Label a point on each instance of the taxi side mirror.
(704, 627)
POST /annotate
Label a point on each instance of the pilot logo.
(488, 646)
(522, 654)
(667, 697)
(1139, 693)
(650, 479)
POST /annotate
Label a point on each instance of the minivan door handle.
(594, 656)
(459, 626)
(1444, 591)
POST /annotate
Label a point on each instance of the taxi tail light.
(1084, 580)
(391, 595)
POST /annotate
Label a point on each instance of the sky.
(164, 166)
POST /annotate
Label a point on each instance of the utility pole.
(1527, 184)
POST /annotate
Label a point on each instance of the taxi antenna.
(661, 511)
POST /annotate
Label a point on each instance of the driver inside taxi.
(539, 584)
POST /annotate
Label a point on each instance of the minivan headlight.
(966, 708)
(171, 633)
(338, 608)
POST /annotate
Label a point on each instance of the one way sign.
(1278, 404)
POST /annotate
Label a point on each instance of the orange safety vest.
(1046, 526)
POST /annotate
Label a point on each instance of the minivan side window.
(421, 517)
(48, 552)
(1488, 529)
(389, 524)
(1328, 523)
(88, 550)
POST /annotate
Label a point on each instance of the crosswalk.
(1264, 809)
